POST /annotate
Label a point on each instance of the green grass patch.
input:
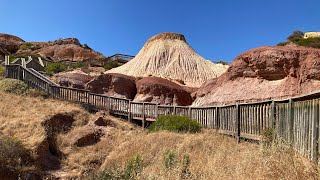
(53, 68)
(175, 124)
(111, 65)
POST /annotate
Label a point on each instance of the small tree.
(295, 36)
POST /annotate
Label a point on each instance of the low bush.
(111, 65)
(175, 124)
(282, 43)
(132, 170)
(53, 68)
(222, 62)
(309, 42)
(12, 153)
(13, 86)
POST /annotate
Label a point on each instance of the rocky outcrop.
(69, 49)
(264, 73)
(9, 43)
(87, 137)
(162, 91)
(168, 55)
(74, 79)
(69, 52)
(116, 85)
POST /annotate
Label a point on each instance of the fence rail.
(295, 121)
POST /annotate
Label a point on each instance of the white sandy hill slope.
(168, 55)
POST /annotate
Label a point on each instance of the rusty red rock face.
(116, 85)
(264, 73)
(162, 91)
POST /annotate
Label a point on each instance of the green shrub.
(295, 36)
(26, 46)
(12, 153)
(222, 62)
(77, 65)
(133, 168)
(112, 64)
(53, 68)
(185, 171)
(170, 159)
(2, 71)
(13, 86)
(175, 124)
(282, 43)
(309, 42)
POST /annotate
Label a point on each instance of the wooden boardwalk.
(294, 121)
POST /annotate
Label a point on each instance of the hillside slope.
(96, 142)
(62, 49)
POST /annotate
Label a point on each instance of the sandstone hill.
(63, 49)
(169, 56)
(264, 73)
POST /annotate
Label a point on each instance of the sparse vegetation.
(297, 38)
(282, 43)
(54, 68)
(13, 86)
(133, 168)
(111, 65)
(13, 154)
(77, 65)
(175, 124)
(26, 46)
(130, 149)
(86, 46)
(309, 42)
(223, 63)
(170, 159)
(2, 71)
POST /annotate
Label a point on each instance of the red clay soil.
(117, 85)
(162, 91)
(264, 73)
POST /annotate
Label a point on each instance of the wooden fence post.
(174, 110)
(108, 106)
(157, 111)
(129, 111)
(315, 131)
(273, 118)
(143, 115)
(291, 121)
(217, 118)
(238, 121)
(189, 112)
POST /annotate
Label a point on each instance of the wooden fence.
(294, 121)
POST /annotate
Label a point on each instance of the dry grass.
(21, 116)
(212, 156)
